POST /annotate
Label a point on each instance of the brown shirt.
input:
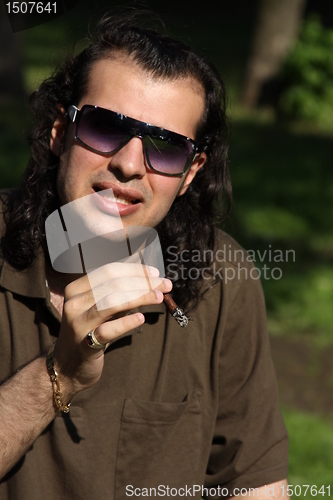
(174, 407)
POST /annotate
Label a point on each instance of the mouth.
(118, 195)
(117, 200)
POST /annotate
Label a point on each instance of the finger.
(111, 330)
(112, 305)
(121, 285)
(109, 272)
(126, 300)
(113, 293)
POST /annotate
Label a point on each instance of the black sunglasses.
(105, 132)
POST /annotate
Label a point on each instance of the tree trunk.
(11, 62)
(276, 29)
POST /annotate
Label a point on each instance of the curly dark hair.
(190, 222)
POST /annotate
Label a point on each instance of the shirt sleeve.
(250, 443)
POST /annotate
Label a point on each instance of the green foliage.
(311, 455)
(301, 301)
(307, 75)
(283, 201)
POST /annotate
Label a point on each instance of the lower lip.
(113, 208)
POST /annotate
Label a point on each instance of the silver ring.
(92, 342)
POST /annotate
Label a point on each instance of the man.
(153, 406)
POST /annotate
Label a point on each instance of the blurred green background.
(280, 160)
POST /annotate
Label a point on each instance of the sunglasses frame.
(136, 128)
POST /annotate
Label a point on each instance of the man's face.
(121, 86)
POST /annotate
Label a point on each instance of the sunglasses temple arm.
(72, 112)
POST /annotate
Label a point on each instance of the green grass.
(302, 302)
(311, 450)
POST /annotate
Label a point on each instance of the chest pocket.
(158, 445)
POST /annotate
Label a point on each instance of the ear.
(198, 163)
(58, 133)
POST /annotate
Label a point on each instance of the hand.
(100, 301)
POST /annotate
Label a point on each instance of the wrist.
(58, 398)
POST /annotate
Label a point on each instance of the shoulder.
(230, 256)
(6, 196)
(5, 193)
(229, 251)
(233, 267)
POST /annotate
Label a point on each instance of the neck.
(57, 282)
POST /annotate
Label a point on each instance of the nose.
(130, 159)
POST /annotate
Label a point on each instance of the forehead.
(123, 86)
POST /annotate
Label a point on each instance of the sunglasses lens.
(168, 157)
(98, 130)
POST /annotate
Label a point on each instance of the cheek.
(75, 166)
(165, 189)
(62, 182)
(70, 173)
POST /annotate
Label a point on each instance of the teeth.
(123, 201)
(107, 194)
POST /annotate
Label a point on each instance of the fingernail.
(159, 295)
(141, 318)
(152, 271)
(168, 283)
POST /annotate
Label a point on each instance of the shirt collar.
(29, 282)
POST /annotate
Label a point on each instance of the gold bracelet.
(57, 396)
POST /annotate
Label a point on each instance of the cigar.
(175, 311)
